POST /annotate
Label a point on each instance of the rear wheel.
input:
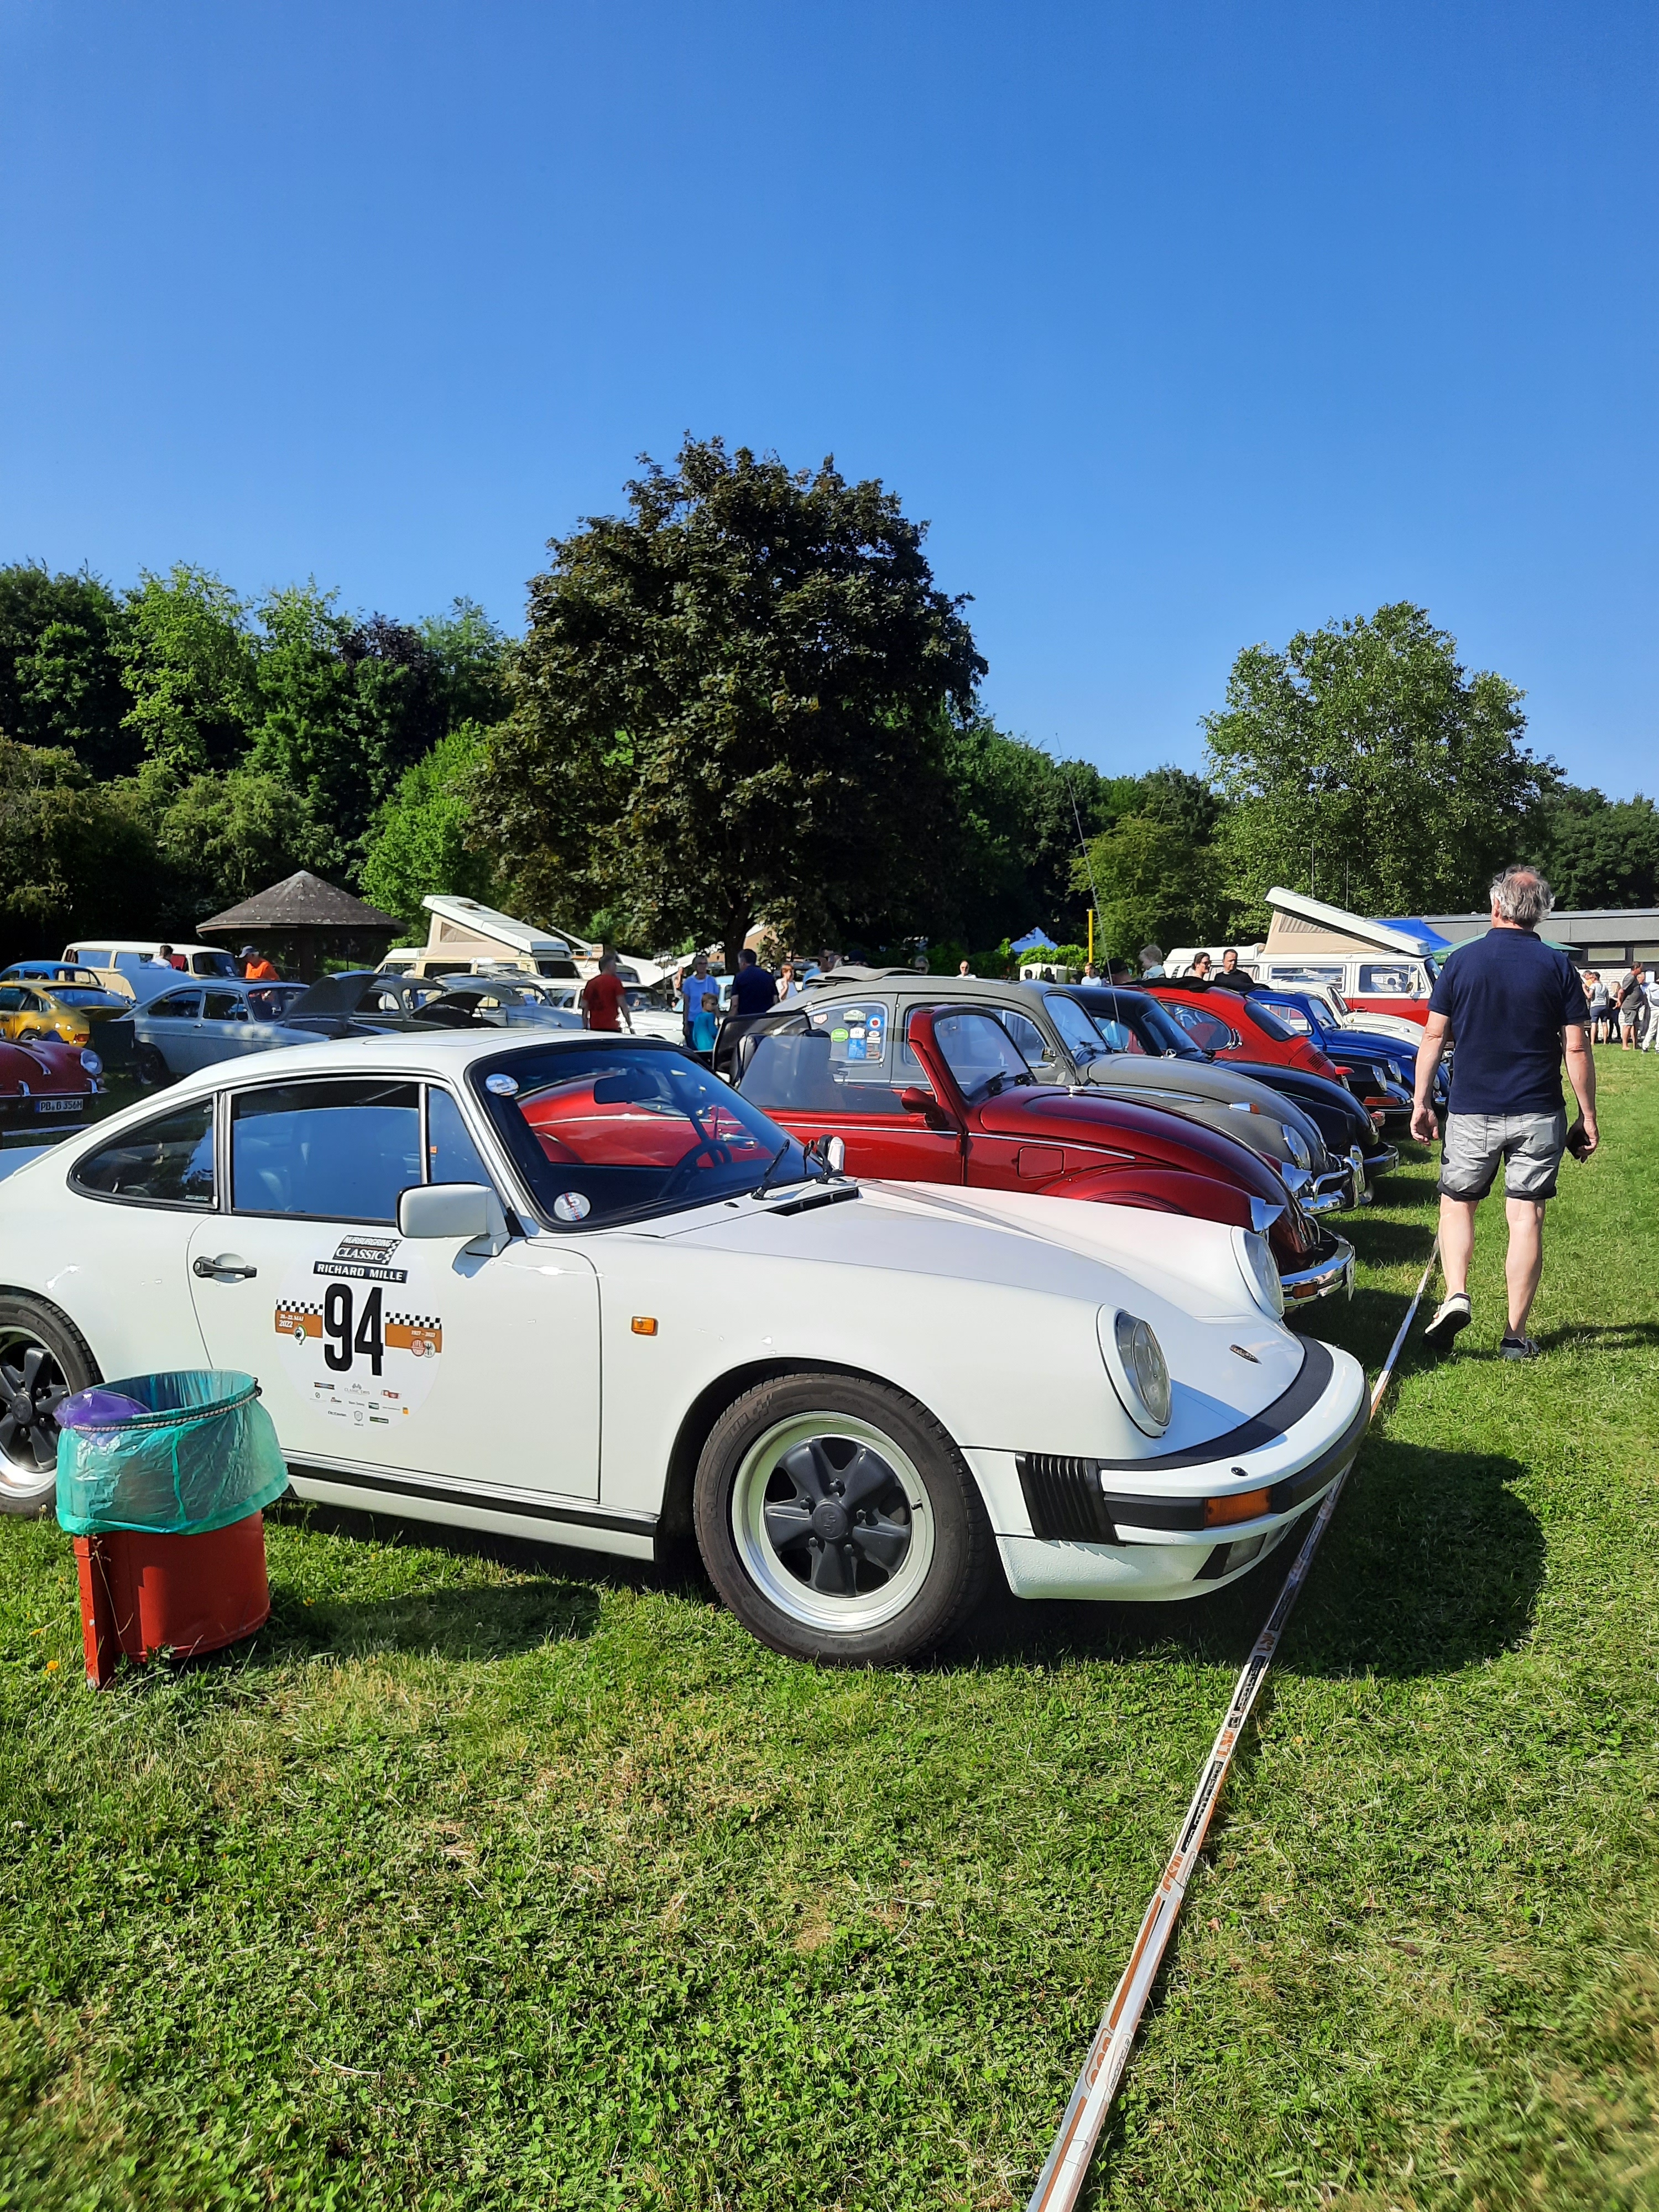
(152, 1071)
(44, 1358)
(838, 1520)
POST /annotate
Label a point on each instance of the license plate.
(59, 1105)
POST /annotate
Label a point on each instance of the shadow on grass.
(1432, 1564)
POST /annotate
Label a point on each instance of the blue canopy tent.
(1036, 942)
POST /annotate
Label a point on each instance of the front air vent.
(1063, 1497)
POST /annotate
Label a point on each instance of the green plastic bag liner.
(178, 1454)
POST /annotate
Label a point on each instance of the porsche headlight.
(1134, 1360)
(1297, 1146)
(90, 1061)
(1256, 1265)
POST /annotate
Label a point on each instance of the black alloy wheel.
(44, 1360)
(838, 1520)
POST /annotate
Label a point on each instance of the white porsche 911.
(576, 1289)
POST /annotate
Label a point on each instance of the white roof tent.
(1307, 925)
(462, 929)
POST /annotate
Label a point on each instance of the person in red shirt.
(605, 1000)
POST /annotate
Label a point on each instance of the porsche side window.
(329, 1151)
(452, 1156)
(165, 1161)
(1205, 1031)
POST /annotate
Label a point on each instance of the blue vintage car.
(1389, 1060)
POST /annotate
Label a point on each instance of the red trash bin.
(143, 1592)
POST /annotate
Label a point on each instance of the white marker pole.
(1062, 2176)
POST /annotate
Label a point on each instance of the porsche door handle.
(228, 1267)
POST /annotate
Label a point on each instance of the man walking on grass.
(1511, 1005)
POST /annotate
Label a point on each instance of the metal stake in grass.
(1063, 2176)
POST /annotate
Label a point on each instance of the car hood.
(1151, 1132)
(1180, 1274)
(1206, 1086)
(1295, 1085)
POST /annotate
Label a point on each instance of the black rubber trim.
(1304, 1395)
(622, 1524)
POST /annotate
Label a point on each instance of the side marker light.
(644, 1325)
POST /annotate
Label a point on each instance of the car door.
(842, 1074)
(401, 1357)
(173, 1024)
(227, 1030)
(136, 1201)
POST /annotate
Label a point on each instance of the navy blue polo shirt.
(1507, 998)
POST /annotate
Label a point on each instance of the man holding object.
(1511, 1005)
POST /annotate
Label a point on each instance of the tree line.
(744, 697)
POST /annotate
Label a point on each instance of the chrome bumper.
(1333, 1192)
(1331, 1272)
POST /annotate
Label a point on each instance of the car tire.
(869, 1586)
(44, 1358)
(33, 1037)
(152, 1071)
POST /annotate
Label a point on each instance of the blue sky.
(1185, 325)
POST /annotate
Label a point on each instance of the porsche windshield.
(605, 1133)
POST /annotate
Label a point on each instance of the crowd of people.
(1623, 1011)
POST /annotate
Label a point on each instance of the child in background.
(706, 1027)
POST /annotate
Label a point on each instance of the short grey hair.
(1522, 895)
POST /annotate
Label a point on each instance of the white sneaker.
(1453, 1316)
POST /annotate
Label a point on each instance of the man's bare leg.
(1524, 1262)
(1456, 1242)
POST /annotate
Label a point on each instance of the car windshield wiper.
(772, 1166)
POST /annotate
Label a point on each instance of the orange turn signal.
(646, 1325)
(1244, 1505)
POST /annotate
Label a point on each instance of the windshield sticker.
(364, 1347)
(572, 1205)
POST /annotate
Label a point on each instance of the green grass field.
(489, 1879)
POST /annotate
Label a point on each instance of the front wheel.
(839, 1522)
(43, 1359)
(152, 1071)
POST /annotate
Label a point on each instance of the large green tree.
(189, 663)
(1155, 870)
(728, 706)
(61, 680)
(74, 855)
(425, 837)
(1597, 851)
(1363, 757)
(1016, 816)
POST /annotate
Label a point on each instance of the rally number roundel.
(359, 1334)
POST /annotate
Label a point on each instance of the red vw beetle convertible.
(952, 1100)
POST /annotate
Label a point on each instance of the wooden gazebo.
(302, 921)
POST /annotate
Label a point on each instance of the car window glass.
(452, 1156)
(1206, 1031)
(225, 1006)
(174, 1005)
(1291, 1016)
(1077, 1031)
(979, 1052)
(167, 1161)
(267, 1003)
(334, 1151)
(1028, 1041)
(1299, 971)
(1380, 983)
(1267, 1021)
(92, 956)
(12, 999)
(601, 1132)
(791, 1071)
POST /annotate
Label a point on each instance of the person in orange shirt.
(256, 968)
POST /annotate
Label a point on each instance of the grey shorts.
(1530, 1146)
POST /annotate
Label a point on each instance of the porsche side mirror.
(470, 1211)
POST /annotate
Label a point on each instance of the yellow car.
(32, 1010)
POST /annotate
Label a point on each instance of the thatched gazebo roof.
(303, 918)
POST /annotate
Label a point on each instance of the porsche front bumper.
(1176, 1524)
